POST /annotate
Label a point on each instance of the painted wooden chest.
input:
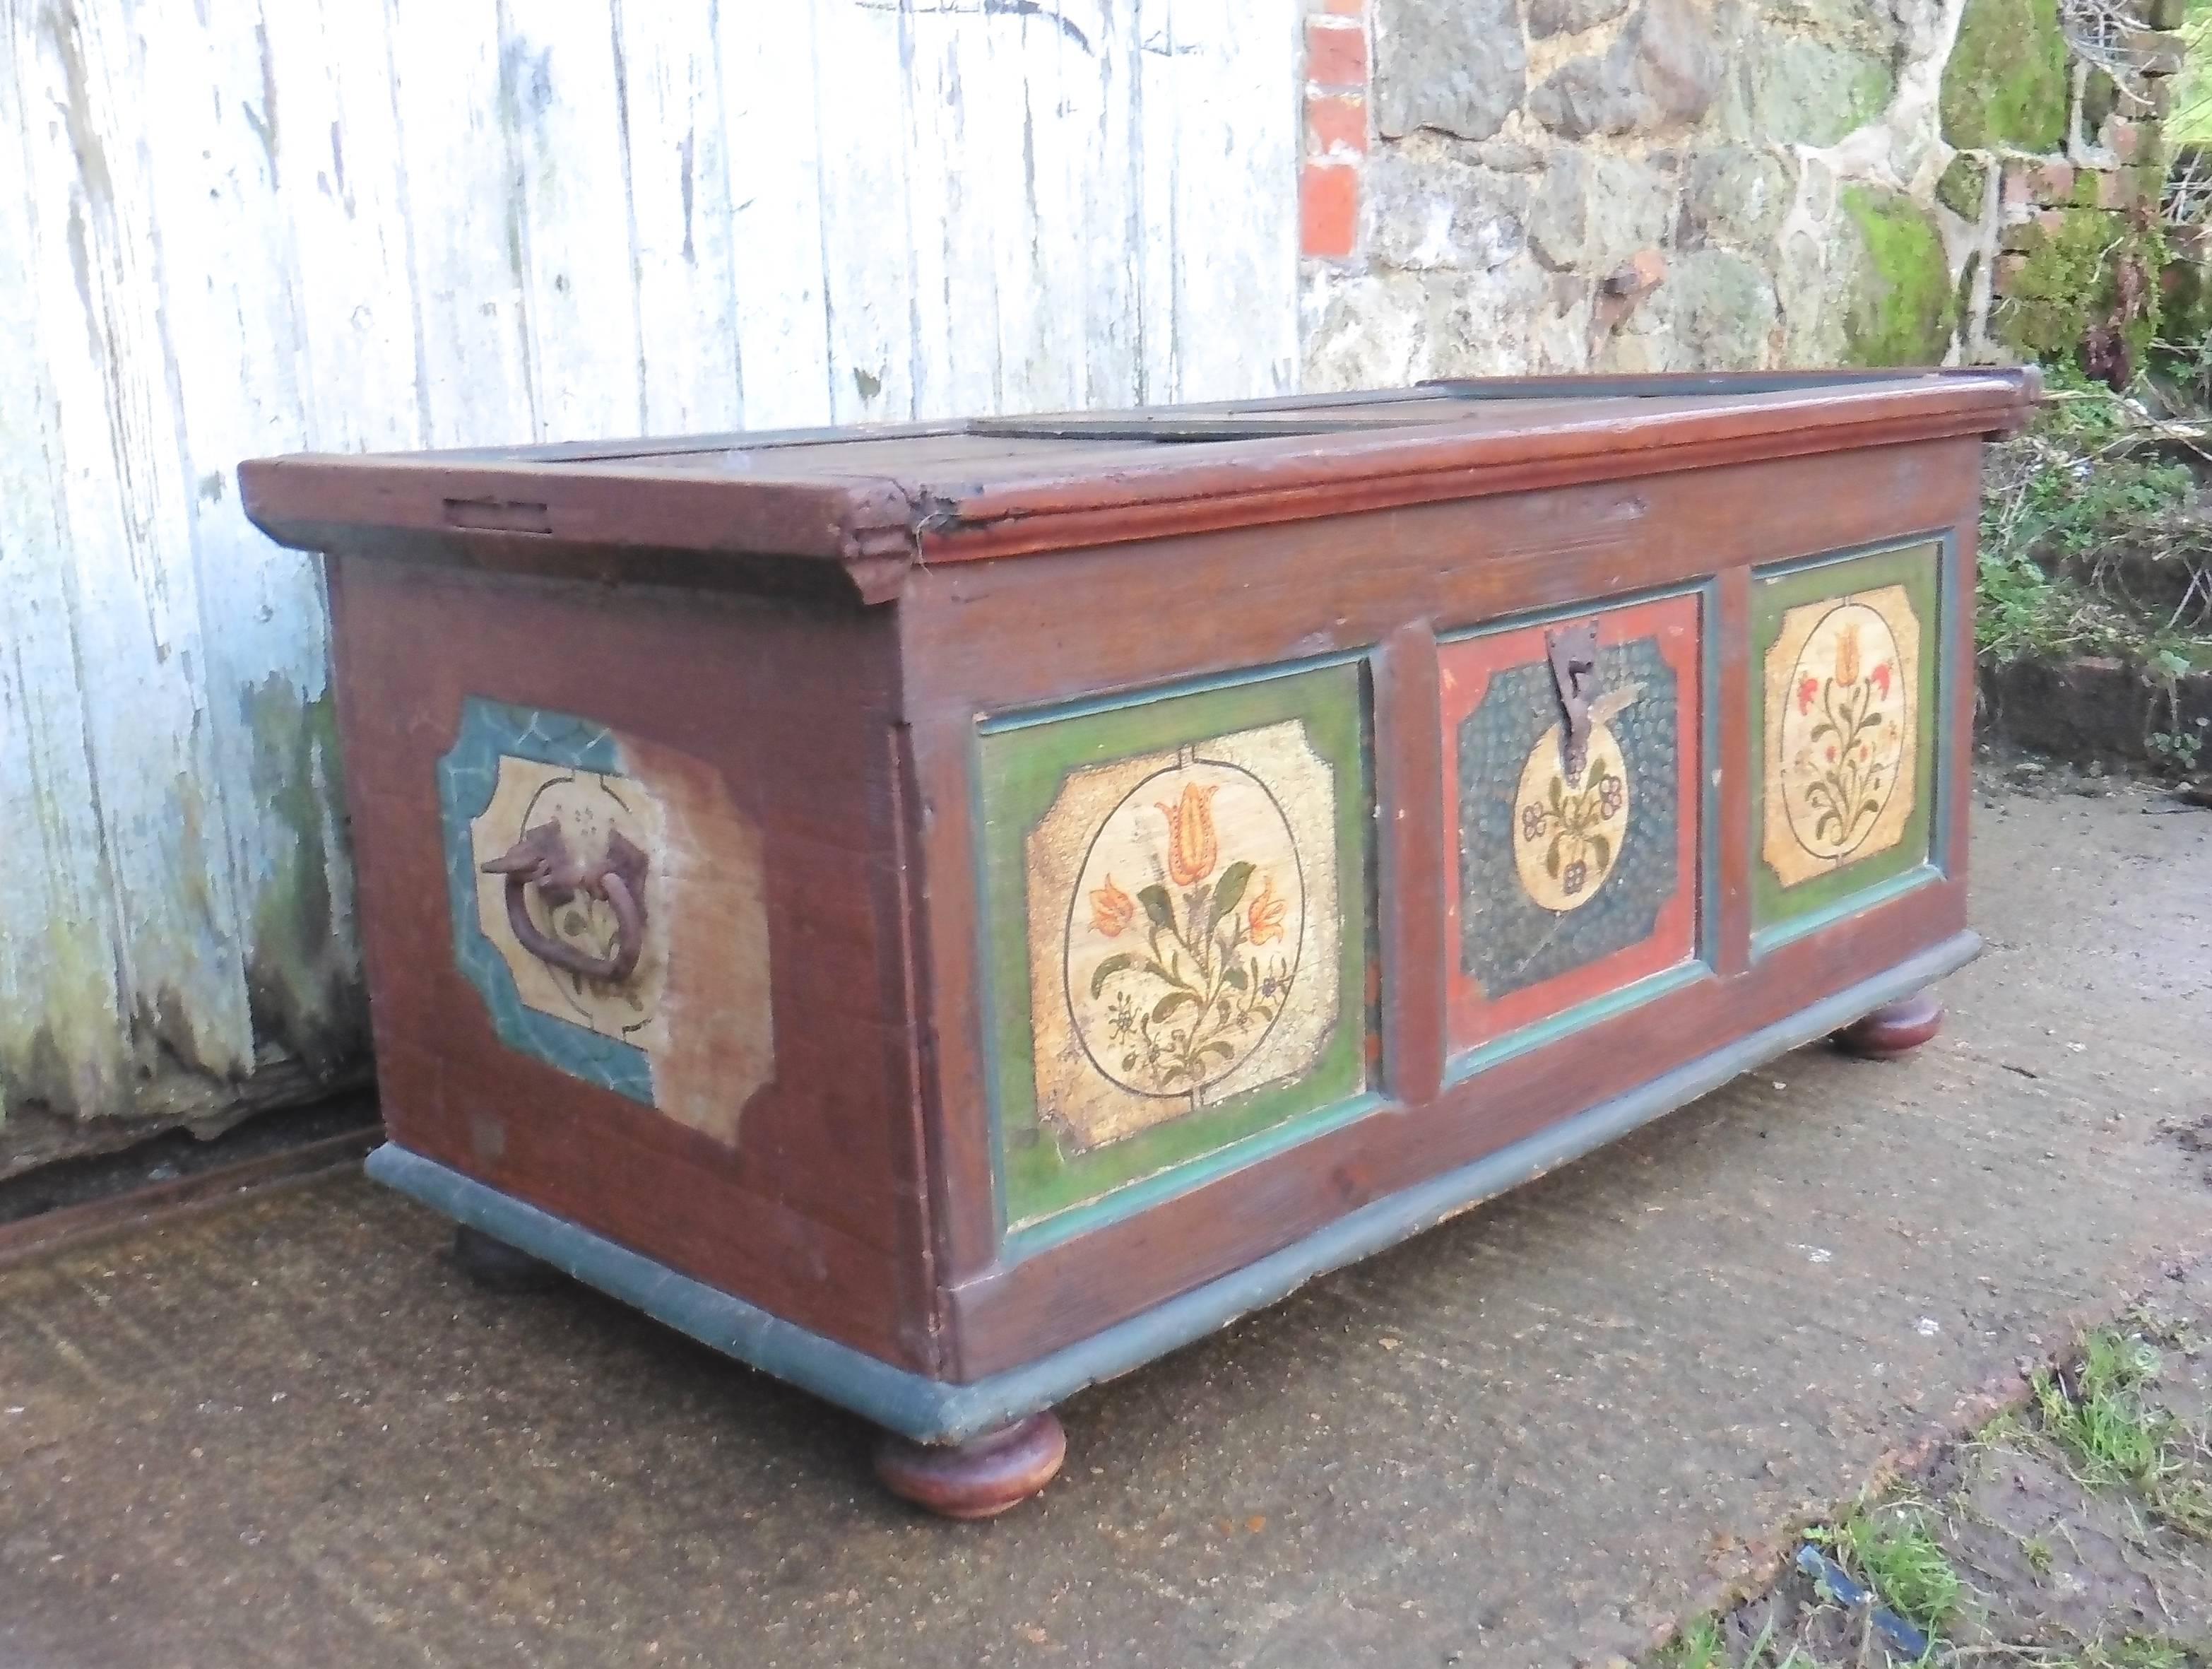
(945, 914)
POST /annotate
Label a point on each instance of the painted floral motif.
(1217, 930)
(1568, 836)
(1111, 911)
(1843, 737)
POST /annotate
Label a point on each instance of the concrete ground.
(288, 1433)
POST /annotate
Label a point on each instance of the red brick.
(1328, 210)
(2116, 189)
(2124, 139)
(1336, 125)
(1336, 54)
(2037, 182)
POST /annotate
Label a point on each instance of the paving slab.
(290, 1433)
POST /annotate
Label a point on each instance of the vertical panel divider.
(1955, 692)
(1411, 818)
(943, 902)
(1729, 638)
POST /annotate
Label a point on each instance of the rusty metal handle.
(1573, 653)
(541, 857)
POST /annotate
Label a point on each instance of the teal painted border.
(1705, 932)
(1868, 897)
(467, 776)
(1589, 1012)
(1886, 877)
(933, 1411)
(1006, 993)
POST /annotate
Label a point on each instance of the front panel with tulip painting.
(1843, 726)
(1176, 894)
(1573, 872)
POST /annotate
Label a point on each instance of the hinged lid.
(877, 500)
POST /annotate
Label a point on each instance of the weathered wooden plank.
(62, 1028)
(774, 149)
(125, 556)
(560, 106)
(332, 137)
(1059, 49)
(231, 306)
(463, 234)
(1109, 204)
(1153, 91)
(1004, 163)
(955, 314)
(1233, 71)
(679, 186)
(858, 75)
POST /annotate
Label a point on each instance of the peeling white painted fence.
(249, 226)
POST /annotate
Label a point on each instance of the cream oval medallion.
(1842, 745)
(1184, 933)
(1567, 830)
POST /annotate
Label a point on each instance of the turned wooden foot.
(1894, 1028)
(498, 1267)
(980, 1478)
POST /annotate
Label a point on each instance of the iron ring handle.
(541, 856)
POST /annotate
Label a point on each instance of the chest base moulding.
(947, 914)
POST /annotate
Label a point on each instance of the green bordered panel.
(1177, 929)
(1845, 725)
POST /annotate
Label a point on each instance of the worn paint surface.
(1568, 889)
(232, 230)
(1178, 896)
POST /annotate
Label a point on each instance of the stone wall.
(1500, 186)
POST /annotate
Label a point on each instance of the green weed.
(2101, 1417)
(1698, 1646)
(1895, 1552)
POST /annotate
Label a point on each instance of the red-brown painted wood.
(824, 619)
(1895, 1029)
(978, 1479)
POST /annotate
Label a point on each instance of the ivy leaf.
(1234, 976)
(1223, 1049)
(1167, 1004)
(1227, 891)
(1106, 969)
(1600, 853)
(1559, 795)
(1158, 908)
(1552, 860)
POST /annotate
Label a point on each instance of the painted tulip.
(1192, 850)
(1111, 910)
(1266, 916)
(1847, 656)
(1880, 679)
(1808, 691)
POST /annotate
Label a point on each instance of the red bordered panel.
(1569, 884)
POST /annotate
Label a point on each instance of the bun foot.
(497, 1267)
(980, 1478)
(1896, 1029)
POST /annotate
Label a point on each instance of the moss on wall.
(2006, 82)
(1965, 186)
(301, 987)
(2070, 283)
(1903, 306)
